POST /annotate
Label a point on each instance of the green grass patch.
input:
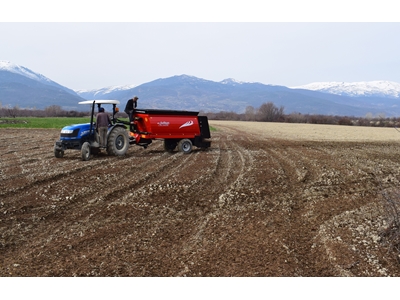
(34, 122)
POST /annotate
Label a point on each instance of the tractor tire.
(170, 145)
(185, 146)
(118, 142)
(85, 151)
(58, 153)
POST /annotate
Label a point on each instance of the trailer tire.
(170, 145)
(85, 151)
(185, 146)
(118, 142)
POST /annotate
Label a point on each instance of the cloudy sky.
(123, 45)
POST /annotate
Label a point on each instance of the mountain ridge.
(25, 88)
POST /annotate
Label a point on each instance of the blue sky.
(287, 44)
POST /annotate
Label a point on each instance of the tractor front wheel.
(85, 151)
(58, 153)
(118, 142)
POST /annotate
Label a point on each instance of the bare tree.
(268, 112)
(53, 111)
(12, 111)
(250, 113)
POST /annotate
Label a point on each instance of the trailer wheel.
(185, 146)
(170, 145)
(85, 151)
(118, 142)
(58, 153)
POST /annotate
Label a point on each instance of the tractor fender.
(112, 127)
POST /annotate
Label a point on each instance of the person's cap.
(101, 109)
(135, 98)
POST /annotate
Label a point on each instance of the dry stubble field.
(265, 200)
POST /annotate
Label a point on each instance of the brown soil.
(251, 205)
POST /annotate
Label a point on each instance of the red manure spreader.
(182, 129)
(178, 129)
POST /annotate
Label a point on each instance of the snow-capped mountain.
(7, 66)
(231, 81)
(107, 90)
(104, 92)
(356, 89)
(13, 68)
(20, 86)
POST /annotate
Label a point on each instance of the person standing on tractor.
(130, 109)
(102, 122)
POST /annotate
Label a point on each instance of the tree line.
(50, 111)
(267, 112)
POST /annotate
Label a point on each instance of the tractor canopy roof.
(99, 102)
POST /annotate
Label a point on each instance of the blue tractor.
(83, 137)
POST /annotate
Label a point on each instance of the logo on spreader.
(188, 123)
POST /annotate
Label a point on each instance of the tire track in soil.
(365, 173)
(160, 220)
(232, 171)
(288, 172)
(20, 161)
(65, 180)
(296, 241)
(231, 207)
(322, 197)
(173, 212)
(260, 225)
(294, 182)
(299, 243)
(158, 206)
(147, 164)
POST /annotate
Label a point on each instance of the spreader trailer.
(178, 129)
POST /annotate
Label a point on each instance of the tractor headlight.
(67, 131)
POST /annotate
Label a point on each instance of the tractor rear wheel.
(118, 142)
(85, 151)
(185, 146)
(170, 145)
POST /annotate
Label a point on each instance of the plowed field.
(265, 200)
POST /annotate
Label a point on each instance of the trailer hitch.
(142, 132)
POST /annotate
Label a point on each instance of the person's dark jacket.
(131, 105)
(102, 120)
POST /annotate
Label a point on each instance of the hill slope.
(22, 87)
